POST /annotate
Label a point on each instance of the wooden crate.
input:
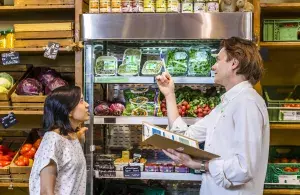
(42, 27)
(25, 102)
(43, 2)
(44, 35)
(20, 178)
(42, 43)
(5, 178)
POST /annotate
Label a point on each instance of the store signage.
(51, 50)
(10, 58)
(132, 171)
(9, 120)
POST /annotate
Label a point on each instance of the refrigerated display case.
(149, 37)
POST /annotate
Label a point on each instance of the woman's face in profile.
(81, 111)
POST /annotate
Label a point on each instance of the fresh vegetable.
(142, 102)
(152, 67)
(30, 154)
(6, 156)
(3, 90)
(106, 65)
(29, 86)
(25, 148)
(199, 64)
(116, 109)
(47, 75)
(37, 143)
(6, 80)
(55, 83)
(177, 62)
(131, 62)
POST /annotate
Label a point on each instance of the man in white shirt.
(237, 129)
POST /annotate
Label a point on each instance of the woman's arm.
(48, 178)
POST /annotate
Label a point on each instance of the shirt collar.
(235, 91)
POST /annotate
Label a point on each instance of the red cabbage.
(102, 109)
(29, 86)
(55, 83)
(47, 75)
(116, 109)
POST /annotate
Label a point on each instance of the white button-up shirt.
(238, 131)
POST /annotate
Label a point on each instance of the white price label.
(289, 179)
(290, 115)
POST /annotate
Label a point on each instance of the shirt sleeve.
(237, 170)
(51, 148)
(196, 131)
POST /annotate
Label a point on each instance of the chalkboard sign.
(51, 50)
(9, 120)
(10, 58)
(132, 171)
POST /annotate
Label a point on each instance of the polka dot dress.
(70, 161)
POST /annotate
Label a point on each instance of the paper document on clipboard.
(164, 139)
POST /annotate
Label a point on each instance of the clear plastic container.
(105, 65)
(174, 6)
(212, 6)
(187, 6)
(161, 6)
(2, 39)
(152, 67)
(149, 6)
(199, 6)
(177, 62)
(131, 63)
(199, 62)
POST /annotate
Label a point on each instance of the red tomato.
(188, 107)
(20, 163)
(163, 109)
(25, 148)
(163, 105)
(195, 111)
(5, 158)
(200, 110)
(185, 103)
(30, 154)
(183, 108)
(37, 143)
(200, 114)
(4, 163)
(205, 112)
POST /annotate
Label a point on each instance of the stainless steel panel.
(166, 26)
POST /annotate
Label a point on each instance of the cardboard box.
(164, 139)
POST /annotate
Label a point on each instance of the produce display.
(131, 63)
(142, 102)
(177, 62)
(27, 153)
(194, 103)
(6, 82)
(109, 109)
(44, 81)
(6, 156)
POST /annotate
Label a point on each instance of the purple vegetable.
(116, 109)
(55, 83)
(29, 86)
(102, 109)
(47, 75)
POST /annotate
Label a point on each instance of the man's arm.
(48, 178)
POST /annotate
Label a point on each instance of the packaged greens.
(199, 62)
(105, 65)
(177, 62)
(131, 63)
(142, 101)
(152, 67)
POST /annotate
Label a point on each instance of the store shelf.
(138, 120)
(10, 9)
(33, 50)
(278, 45)
(282, 191)
(14, 185)
(285, 126)
(280, 7)
(158, 176)
(22, 112)
(151, 80)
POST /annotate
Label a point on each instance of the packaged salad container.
(105, 66)
(177, 62)
(131, 63)
(152, 67)
(199, 63)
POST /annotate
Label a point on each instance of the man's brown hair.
(246, 52)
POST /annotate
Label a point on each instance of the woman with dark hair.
(59, 165)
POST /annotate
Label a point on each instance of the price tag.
(132, 171)
(9, 120)
(51, 50)
(10, 58)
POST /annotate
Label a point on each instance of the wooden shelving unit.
(282, 191)
(278, 45)
(14, 185)
(280, 7)
(35, 8)
(22, 112)
(285, 126)
(32, 50)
